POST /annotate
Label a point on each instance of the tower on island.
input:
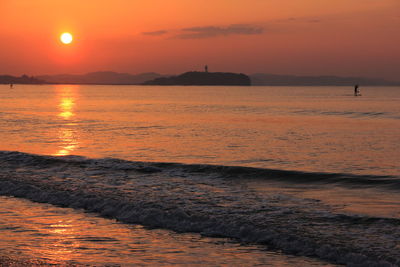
(206, 68)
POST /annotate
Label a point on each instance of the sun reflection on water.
(67, 95)
(66, 106)
(68, 135)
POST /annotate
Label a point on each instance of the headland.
(203, 78)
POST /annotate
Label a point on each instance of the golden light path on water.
(67, 98)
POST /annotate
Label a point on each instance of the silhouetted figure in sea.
(11, 86)
(356, 90)
(206, 68)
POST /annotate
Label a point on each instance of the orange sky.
(305, 37)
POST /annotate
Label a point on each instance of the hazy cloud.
(215, 31)
(314, 21)
(155, 33)
(301, 20)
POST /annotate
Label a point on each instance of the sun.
(66, 38)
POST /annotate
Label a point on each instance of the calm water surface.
(323, 129)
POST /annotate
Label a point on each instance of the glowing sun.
(66, 38)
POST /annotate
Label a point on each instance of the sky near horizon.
(303, 37)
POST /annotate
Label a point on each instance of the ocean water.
(306, 171)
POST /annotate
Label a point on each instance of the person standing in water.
(356, 91)
(11, 86)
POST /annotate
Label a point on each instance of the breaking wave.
(210, 200)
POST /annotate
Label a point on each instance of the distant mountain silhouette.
(195, 78)
(203, 78)
(293, 80)
(24, 79)
(100, 77)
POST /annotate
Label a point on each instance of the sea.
(107, 175)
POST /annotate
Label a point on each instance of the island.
(24, 79)
(203, 78)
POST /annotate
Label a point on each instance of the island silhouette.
(203, 78)
(24, 79)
